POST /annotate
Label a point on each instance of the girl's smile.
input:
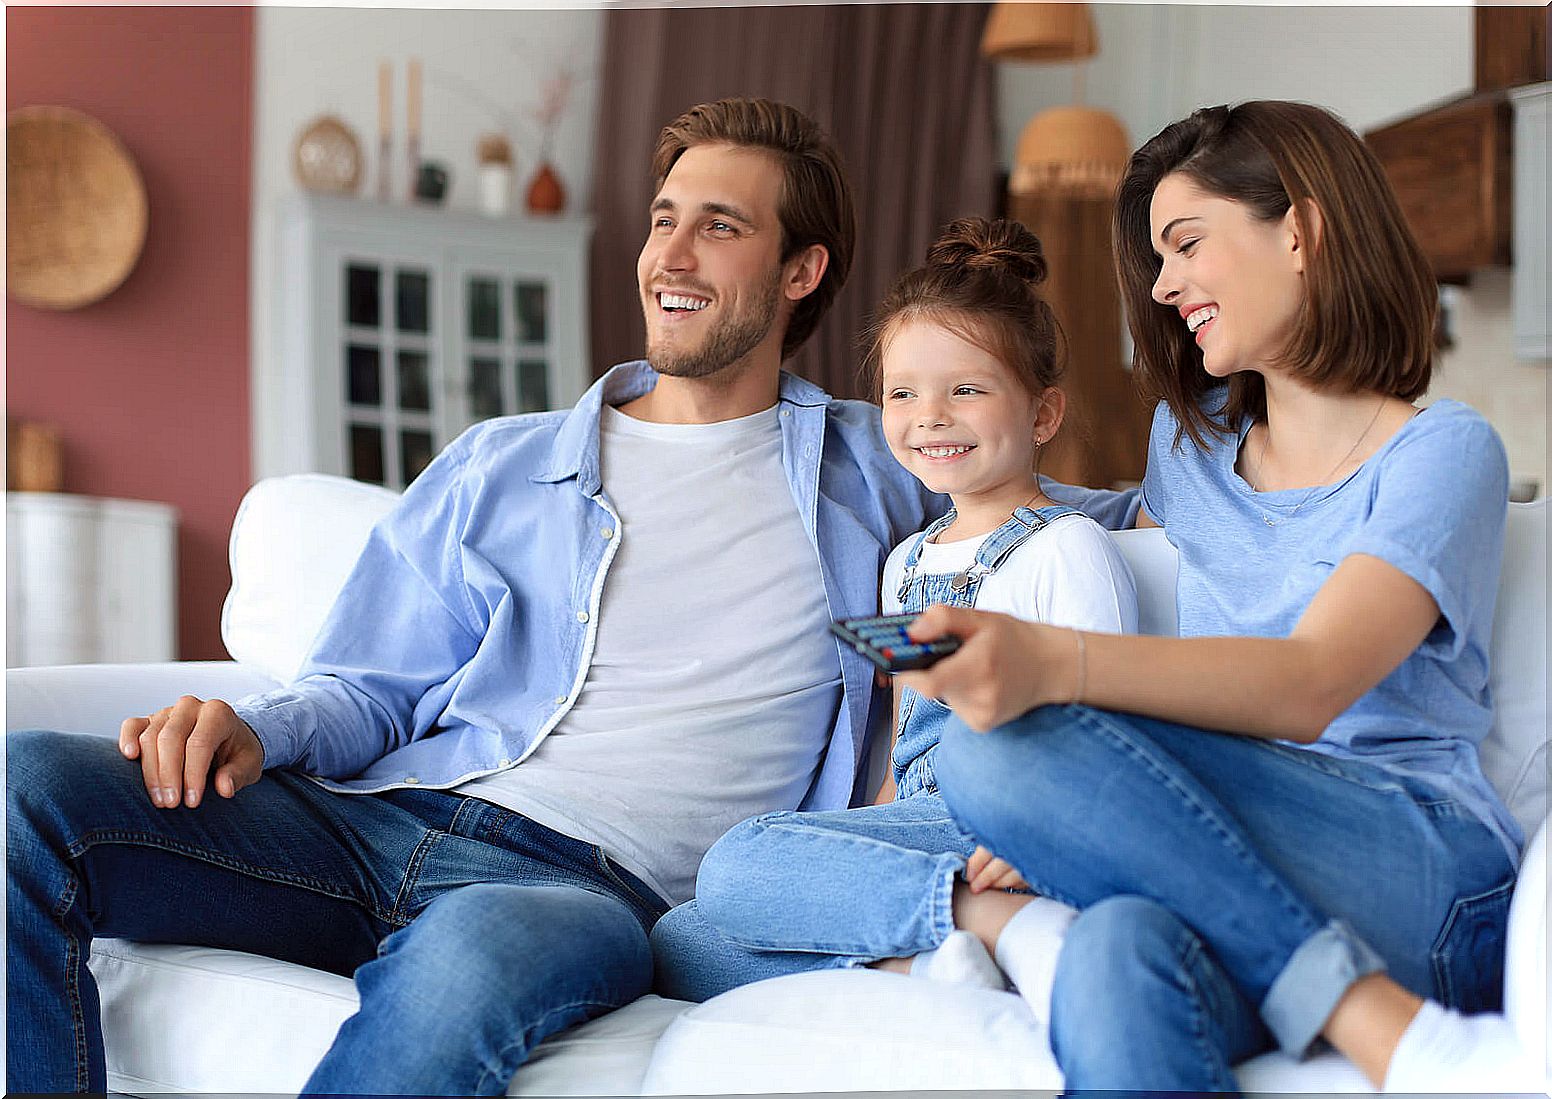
(960, 420)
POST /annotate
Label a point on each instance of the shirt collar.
(575, 453)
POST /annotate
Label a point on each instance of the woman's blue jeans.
(1231, 889)
(788, 892)
(472, 933)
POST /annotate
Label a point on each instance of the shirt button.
(606, 534)
(786, 412)
(411, 779)
(582, 616)
(560, 700)
(503, 762)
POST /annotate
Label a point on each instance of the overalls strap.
(921, 539)
(1012, 534)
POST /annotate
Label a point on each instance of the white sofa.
(182, 1019)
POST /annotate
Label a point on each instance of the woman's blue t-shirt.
(1431, 502)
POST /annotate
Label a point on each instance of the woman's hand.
(986, 871)
(1005, 666)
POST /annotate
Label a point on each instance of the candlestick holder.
(384, 176)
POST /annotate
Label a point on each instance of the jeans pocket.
(1468, 955)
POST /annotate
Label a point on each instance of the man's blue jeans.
(472, 932)
(788, 892)
(1231, 889)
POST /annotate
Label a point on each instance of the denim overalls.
(921, 719)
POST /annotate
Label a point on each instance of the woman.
(1261, 818)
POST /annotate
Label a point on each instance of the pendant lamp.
(1076, 150)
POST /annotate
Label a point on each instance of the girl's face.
(1235, 280)
(956, 417)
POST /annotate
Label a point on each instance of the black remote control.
(882, 639)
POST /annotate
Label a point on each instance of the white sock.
(1443, 1050)
(959, 959)
(1027, 949)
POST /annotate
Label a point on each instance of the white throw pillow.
(294, 541)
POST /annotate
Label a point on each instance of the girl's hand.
(1004, 667)
(986, 871)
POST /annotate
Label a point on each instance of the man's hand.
(179, 746)
(986, 871)
(1000, 671)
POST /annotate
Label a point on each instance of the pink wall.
(149, 386)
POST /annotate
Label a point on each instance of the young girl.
(1262, 816)
(966, 354)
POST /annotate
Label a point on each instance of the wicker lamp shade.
(1077, 150)
(1039, 32)
(76, 208)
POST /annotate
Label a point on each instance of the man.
(582, 646)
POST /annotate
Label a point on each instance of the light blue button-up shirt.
(465, 632)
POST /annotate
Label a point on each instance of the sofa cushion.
(294, 541)
(1514, 755)
(192, 1019)
(866, 1030)
(1154, 565)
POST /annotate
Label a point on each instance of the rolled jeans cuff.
(1315, 979)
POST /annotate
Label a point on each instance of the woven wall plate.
(75, 208)
(327, 157)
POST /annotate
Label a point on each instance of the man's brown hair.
(1366, 321)
(815, 206)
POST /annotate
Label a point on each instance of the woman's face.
(1235, 281)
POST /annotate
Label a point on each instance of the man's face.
(710, 271)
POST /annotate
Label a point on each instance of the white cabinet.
(400, 326)
(1531, 294)
(88, 580)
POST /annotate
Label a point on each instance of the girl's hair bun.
(982, 281)
(1001, 246)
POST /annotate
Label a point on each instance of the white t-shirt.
(714, 682)
(1069, 573)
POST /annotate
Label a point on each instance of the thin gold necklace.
(1342, 461)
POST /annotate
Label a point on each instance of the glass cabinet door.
(507, 343)
(390, 372)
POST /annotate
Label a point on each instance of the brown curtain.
(901, 88)
(1104, 438)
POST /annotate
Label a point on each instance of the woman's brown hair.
(815, 206)
(981, 282)
(1367, 317)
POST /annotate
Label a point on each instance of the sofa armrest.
(1527, 990)
(96, 698)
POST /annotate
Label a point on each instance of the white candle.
(413, 95)
(384, 99)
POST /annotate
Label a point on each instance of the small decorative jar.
(495, 157)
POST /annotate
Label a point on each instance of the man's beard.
(728, 341)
